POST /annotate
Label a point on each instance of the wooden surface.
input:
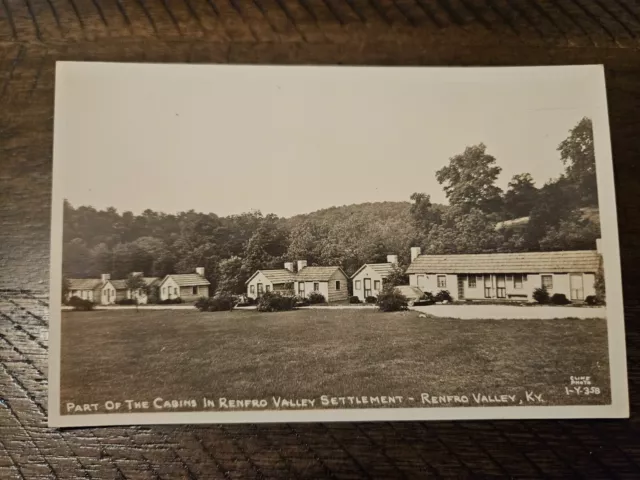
(36, 33)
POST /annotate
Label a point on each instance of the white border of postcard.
(619, 407)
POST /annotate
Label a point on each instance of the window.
(472, 281)
(252, 289)
(547, 281)
(175, 290)
(517, 281)
(194, 290)
(376, 284)
(358, 284)
(316, 287)
(164, 290)
(301, 289)
(337, 284)
(442, 281)
(268, 288)
(104, 293)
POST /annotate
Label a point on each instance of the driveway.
(510, 311)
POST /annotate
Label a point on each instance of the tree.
(554, 203)
(599, 285)
(469, 180)
(231, 276)
(572, 233)
(76, 260)
(423, 212)
(520, 197)
(460, 232)
(66, 288)
(137, 286)
(397, 276)
(578, 155)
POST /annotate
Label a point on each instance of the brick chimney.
(288, 266)
(301, 264)
(200, 271)
(105, 276)
(415, 253)
(392, 259)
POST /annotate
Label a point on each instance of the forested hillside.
(231, 248)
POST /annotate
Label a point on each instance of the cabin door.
(501, 286)
(577, 286)
(367, 288)
(461, 279)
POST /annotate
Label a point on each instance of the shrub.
(80, 304)
(219, 303)
(592, 300)
(371, 299)
(354, 299)
(302, 302)
(316, 297)
(559, 299)
(391, 300)
(126, 301)
(275, 302)
(443, 296)
(171, 301)
(541, 295)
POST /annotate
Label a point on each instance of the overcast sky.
(291, 140)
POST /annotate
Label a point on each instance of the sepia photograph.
(298, 244)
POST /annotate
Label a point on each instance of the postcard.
(238, 243)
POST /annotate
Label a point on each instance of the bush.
(275, 302)
(126, 301)
(541, 295)
(219, 303)
(302, 302)
(443, 296)
(391, 300)
(371, 299)
(171, 301)
(80, 304)
(354, 299)
(316, 297)
(560, 299)
(592, 300)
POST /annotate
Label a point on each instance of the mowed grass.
(118, 355)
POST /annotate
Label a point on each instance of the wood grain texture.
(36, 33)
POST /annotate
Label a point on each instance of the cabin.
(120, 287)
(96, 290)
(142, 295)
(369, 279)
(506, 276)
(186, 286)
(278, 280)
(331, 282)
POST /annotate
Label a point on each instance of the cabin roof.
(529, 262)
(188, 279)
(382, 269)
(320, 274)
(84, 283)
(281, 275)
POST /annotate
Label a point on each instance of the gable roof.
(382, 269)
(529, 262)
(151, 281)
(84, 283)
(281, 275)
(187, 279)
(119, 284)
(320, 274)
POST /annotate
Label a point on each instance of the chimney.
(392, 259)
(288, 266)
(301, 264)
(599, 246)
(415, 253)
(200, 271)
(105, 276)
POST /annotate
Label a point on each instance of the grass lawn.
(118, 355)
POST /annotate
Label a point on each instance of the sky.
(290, 140)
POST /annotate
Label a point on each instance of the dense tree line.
(562, 215)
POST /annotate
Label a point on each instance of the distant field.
(307, 353)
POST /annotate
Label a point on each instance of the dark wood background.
(36, 33)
